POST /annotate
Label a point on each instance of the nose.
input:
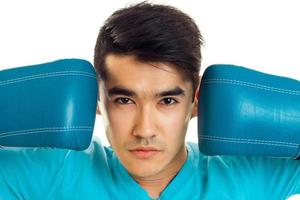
(145, 126)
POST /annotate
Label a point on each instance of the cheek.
(175, 124)
(119, 127)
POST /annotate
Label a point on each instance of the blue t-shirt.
(96, 173)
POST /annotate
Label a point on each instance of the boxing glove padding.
(48, 105)
(246, 112)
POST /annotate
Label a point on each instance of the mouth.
(144, 152)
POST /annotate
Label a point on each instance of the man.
(148, 69)
(147, 58)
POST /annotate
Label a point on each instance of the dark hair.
(151, 33)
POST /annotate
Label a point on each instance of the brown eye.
(168, 101)
(123, 101)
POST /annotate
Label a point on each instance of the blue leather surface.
(48, 105)
(246, 112)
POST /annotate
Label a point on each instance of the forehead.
(128, 71)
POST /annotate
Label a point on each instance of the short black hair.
(152, 33)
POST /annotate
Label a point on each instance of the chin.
(144, 168)
(144, 171)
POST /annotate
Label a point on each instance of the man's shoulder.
(40, 154)
(233, 163)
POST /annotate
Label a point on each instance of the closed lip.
(144, 149)
(144, 152)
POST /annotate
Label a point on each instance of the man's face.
(146, 108)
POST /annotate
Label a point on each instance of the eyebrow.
(120, 91)
(177, 91)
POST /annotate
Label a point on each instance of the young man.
(148, 60)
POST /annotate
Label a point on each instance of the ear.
(98, 109)
(196, 99)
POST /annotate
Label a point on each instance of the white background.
(262, 35)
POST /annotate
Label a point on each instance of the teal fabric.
(96, 173)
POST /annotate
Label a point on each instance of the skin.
(146, 108)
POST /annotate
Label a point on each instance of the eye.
(123, 100)
(168, 101)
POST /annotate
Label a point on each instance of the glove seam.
(46, 75)
(253, 85)
(250, 141)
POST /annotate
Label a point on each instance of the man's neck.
(155, 184)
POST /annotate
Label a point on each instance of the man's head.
(151, 33)
(148, 59)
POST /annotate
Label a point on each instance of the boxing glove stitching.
(253, 85)
(46, 128)
(47, 75)
(249, 141)
(42, 130)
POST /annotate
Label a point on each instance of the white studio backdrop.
(258, 34)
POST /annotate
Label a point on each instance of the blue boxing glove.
(246, 112)
(48, 105)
